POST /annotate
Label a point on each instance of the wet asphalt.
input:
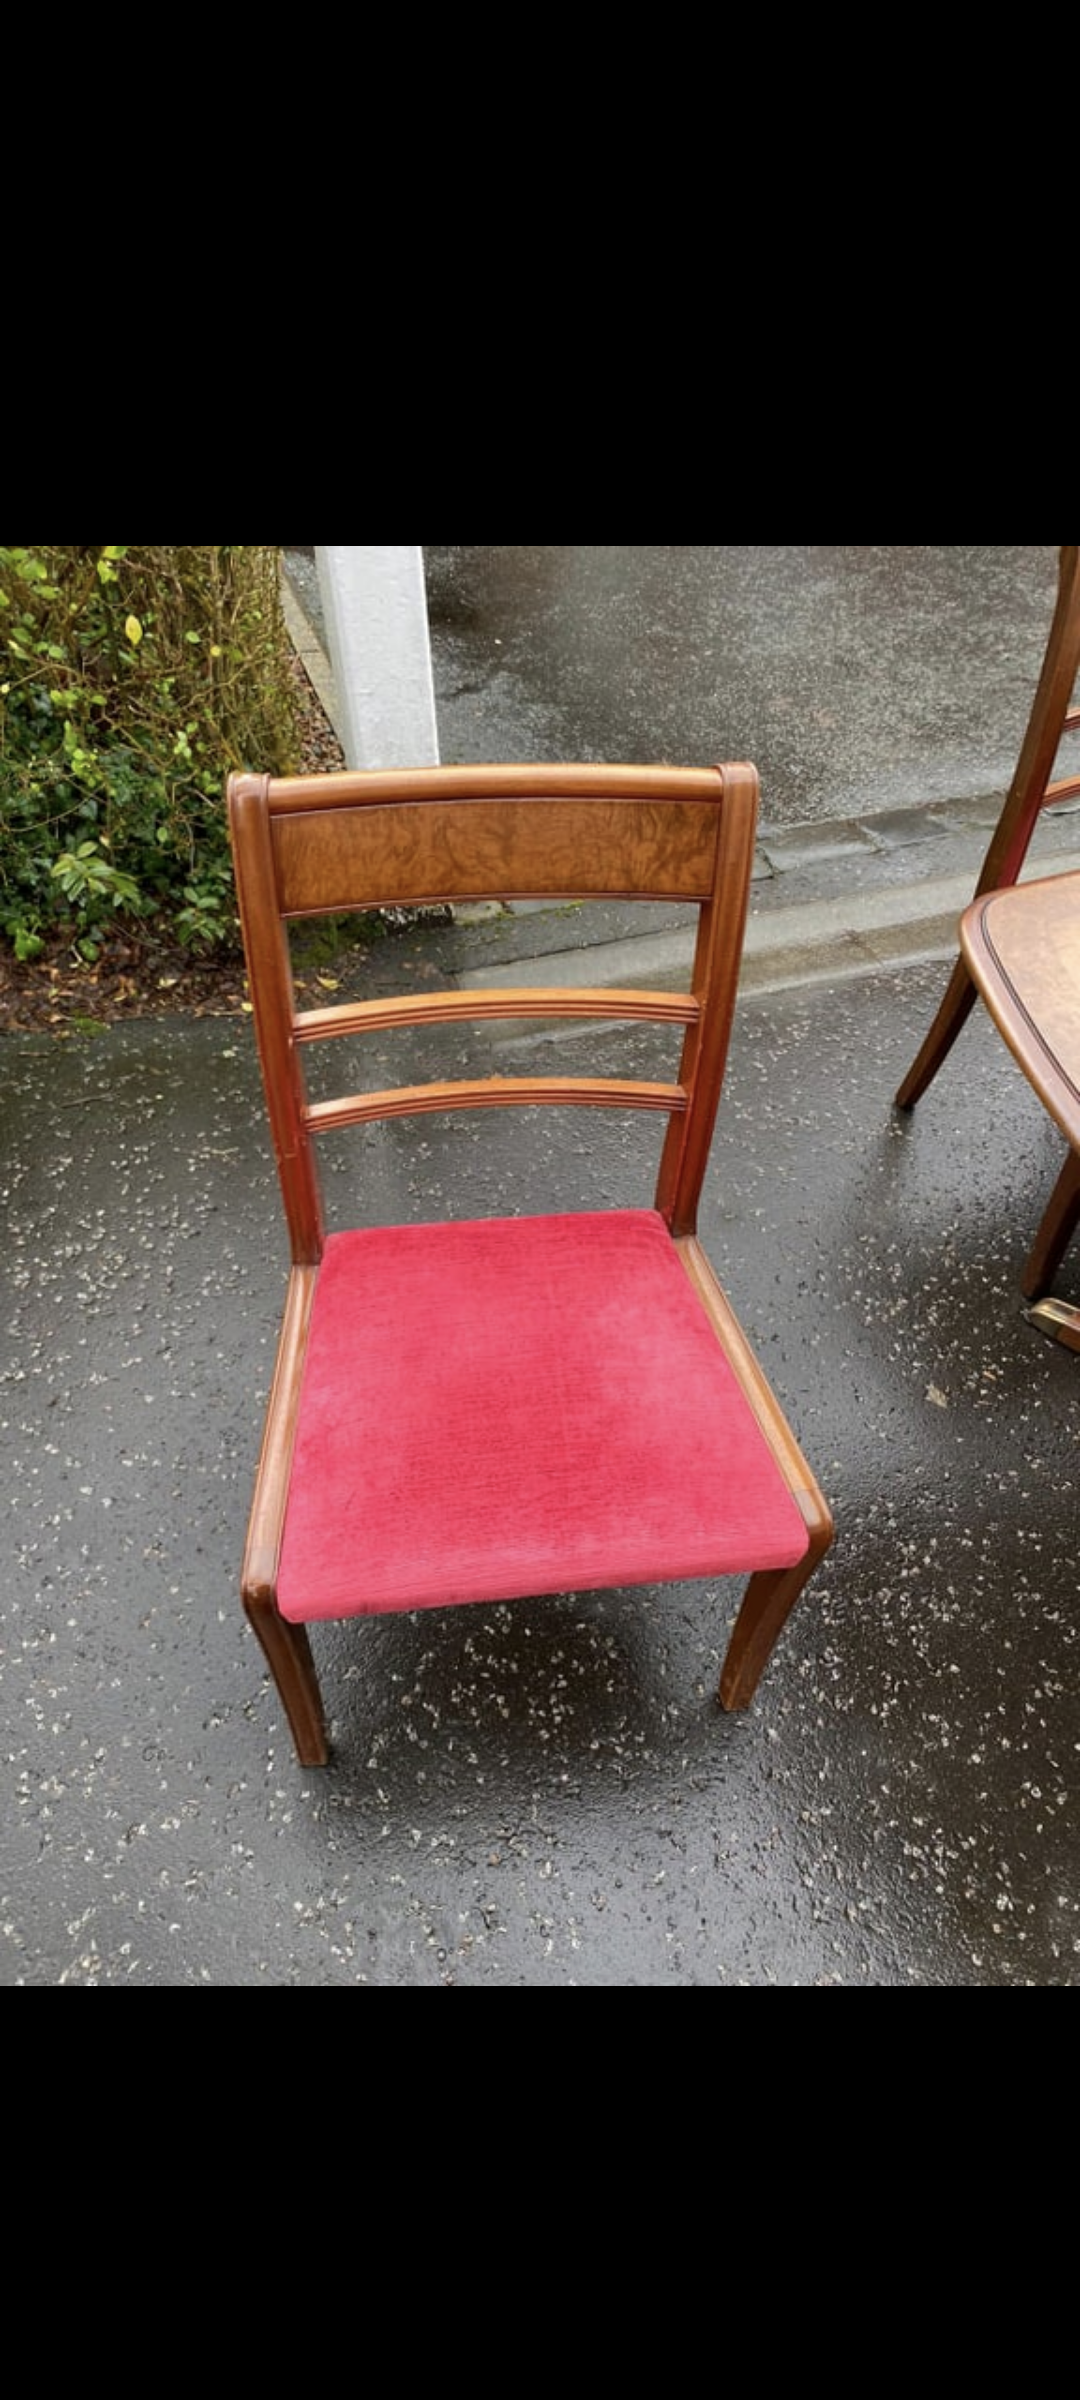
(865, 676)
(546, 1794)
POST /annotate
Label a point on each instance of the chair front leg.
(287, 1651)
(767, 1603)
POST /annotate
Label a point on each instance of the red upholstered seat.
(515, 1406)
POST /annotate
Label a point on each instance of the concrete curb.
(818, 942)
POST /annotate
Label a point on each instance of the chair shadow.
(444, 1704)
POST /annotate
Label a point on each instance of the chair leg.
(767, 1604)
(1057, 1321)
(1056, 1231)
(287, 1651)
(952, 1015)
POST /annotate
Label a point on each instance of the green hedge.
(131, 681)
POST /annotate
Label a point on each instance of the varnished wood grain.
(1022, 948)
(422, 853)
(274, 1010)
(495, 1091)
(483, 1007)
(771, 1594)
(266, 1522)
(718, 954)
(559, 780)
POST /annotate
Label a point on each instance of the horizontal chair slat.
(497, 1091)
(445, 1008)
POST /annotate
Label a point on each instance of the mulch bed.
(136, 974)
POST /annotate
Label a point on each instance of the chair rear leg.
(1056, 1231)
(287, 1651)
(952, 1015)
(767, 1604)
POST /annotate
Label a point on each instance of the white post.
(375, 606)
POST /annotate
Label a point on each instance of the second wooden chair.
(1035, 997)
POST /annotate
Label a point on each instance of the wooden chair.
(1021, 947)
(1018, 949)
(485, 1409)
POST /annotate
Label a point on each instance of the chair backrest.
(1053, 715)
(327, 845)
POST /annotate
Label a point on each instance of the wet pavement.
(546, 1794)
(860, 677)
